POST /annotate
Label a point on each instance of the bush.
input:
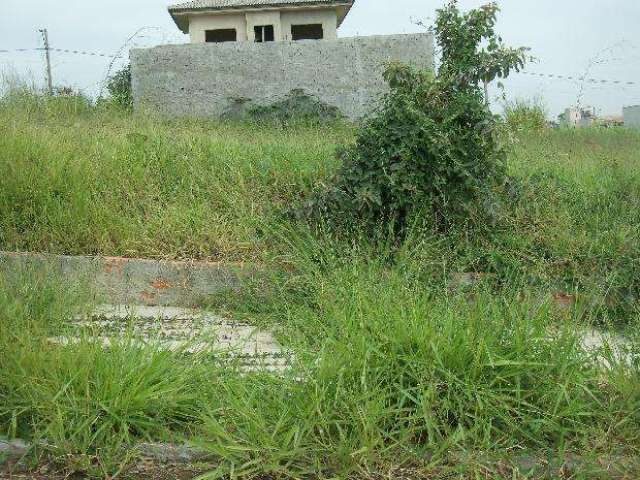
(432, 144)
(297, 107)
(522, 115)
(119, 88)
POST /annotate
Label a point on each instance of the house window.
(221, 35)
(264, 33)
(307, 32)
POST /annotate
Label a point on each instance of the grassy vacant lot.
(81, 181)
(400, 370)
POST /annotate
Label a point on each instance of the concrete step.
(181, 330)
(607, 347)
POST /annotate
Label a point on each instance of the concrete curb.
(613, 466)
(15, 450)
(133, 281)
(12, 450)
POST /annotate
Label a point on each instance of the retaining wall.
(210, 80)
(132, 281)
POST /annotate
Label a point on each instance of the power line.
(558, 85)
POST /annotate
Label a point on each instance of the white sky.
(568, 37)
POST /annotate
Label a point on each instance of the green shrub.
(522, 115)
(298, 107)
(432, 143)
(119, 88)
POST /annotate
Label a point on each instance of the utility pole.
(47, 51)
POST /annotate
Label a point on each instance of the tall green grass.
(82, 406)
(389, 373)
(398, 366)
(84, 180)
(523, 115)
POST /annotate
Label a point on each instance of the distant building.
(611, 121)
(578, 117)
(217, 21)
(631, 116)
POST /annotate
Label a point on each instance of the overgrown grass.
(83, 404)
(398, 366)
(82, 180)
(388, 374)
(525, 116)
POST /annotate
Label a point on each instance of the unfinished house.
(250, 54)
(218, 21)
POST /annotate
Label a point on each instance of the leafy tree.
(432, 145)
(465, 61)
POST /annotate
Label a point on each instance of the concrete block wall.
(632, 116)
(207, 80)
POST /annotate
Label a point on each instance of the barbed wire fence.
(586, 80)
(154, 35)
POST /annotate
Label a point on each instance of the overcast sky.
(598, 38)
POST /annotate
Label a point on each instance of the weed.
(522, 115)
(389, 373)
